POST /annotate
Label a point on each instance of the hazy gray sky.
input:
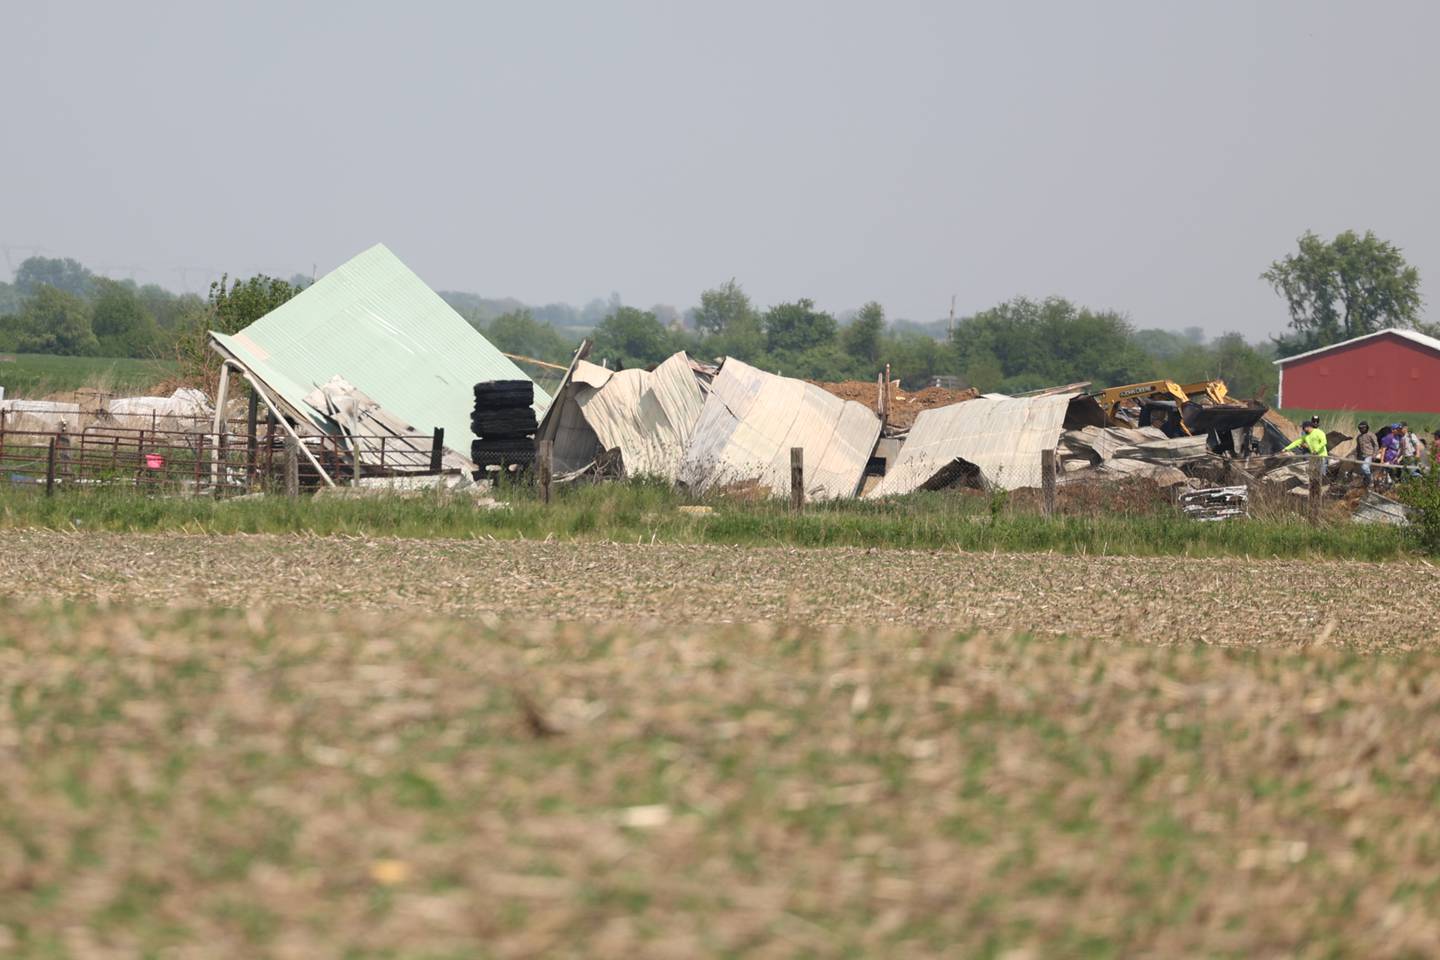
(1149, 156)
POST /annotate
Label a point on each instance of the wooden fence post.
(50, 470)
(292, 467)
(437, 450)
(1315, 464)
(797, 479)
(545, 466)
(1047, 480)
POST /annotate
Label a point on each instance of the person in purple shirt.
(1390, 444)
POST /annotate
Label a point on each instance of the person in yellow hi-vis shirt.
(1316, 444)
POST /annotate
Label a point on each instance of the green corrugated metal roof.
(375, 323)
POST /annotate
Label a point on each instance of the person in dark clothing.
(1366, 449)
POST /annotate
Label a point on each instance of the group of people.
(1394, 445)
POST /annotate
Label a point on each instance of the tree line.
(1020, 345)
(1333, 290)
(59, 306)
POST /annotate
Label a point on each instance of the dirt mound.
(904, 407)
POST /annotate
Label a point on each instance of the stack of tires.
(504, 424)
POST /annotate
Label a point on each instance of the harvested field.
(904, 407)
(202, 783)
(1167, 599)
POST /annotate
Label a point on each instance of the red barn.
(1387, 370)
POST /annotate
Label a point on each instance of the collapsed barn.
(369, 375)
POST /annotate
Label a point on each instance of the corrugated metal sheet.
(750, 421)
(648, 415)
(375, 323)
(1002, 436)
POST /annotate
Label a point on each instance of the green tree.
(1346, 288)
(56, 321)
(10, 299)
(861, 339)
(520, 333)
(121, 324)
(68, 275)
(796, 327)
(1034, 344)
(915, 357)
(725, 309)
(233, 308)
(632, 338)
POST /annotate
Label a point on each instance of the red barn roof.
(1419, 338)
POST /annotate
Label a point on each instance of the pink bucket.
(153, 461)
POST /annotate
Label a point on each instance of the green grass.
(1425, 423)
(34, 375)
(647, 512)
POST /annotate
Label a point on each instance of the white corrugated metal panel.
(751, 420)
(649, 416)
(375, 323)
(1002, 436)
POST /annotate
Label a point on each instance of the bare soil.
(904, 407)
(1233, 602)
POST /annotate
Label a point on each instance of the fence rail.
(185, 456)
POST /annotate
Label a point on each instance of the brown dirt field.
(904, 407)
(1232, 602)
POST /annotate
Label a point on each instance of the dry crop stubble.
(213, 783)
(1165, 599)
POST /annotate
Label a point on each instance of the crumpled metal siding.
(750, 421)
(375, 323)
(648, 415)
(1002, 436)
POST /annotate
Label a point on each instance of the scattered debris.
(1374, 508)
(1216, 503)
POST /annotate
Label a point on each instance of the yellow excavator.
(1182, 409)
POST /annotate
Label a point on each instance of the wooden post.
(50, 470)
(1047, 480)
(437, 450)
(292, 467)
(544, 468)
(884, 416)
(1315, 465)
(880, 397)
(797, 479)
(251, 429)
(359, 465)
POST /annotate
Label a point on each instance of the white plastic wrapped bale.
(186, 402)
(750, 421)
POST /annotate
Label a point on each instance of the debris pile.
(902, 408)
(503, 423)
(1216, 503)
